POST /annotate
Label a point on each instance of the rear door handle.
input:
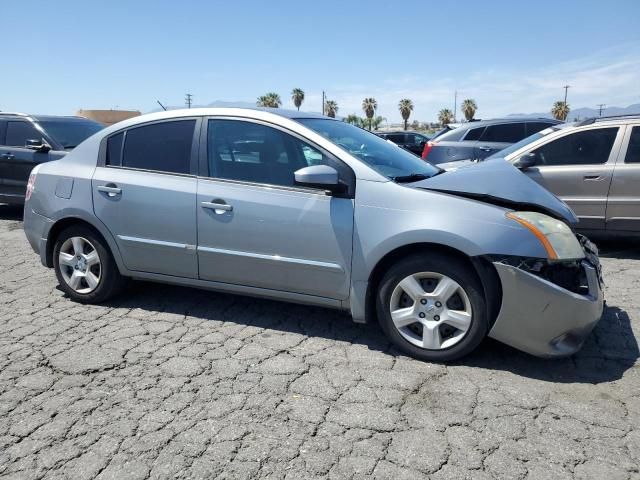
(110, 190)
(592, 178)
(7, 156)
(486, 149)
(218, 208)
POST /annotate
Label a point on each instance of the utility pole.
(600, 108)
(323, 102)
(455, 105)
(566, 88)
(187, 100)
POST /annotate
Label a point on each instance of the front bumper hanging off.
(542, 318)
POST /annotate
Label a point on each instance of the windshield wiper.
(412, 177)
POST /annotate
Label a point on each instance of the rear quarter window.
(452, 136)
(114, 150)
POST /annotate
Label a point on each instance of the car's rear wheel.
(432, 307)
(85, 268)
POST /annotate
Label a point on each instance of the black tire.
(111, 282)
(446, 265)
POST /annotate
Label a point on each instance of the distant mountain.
(582, 113)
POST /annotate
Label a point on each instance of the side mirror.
(319, 176)
(38, 145)
(525, 161)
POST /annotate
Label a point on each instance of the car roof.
(386, 132)
(257, 113)
(493, 121)
(43, 118)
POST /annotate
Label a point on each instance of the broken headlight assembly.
(556, 237)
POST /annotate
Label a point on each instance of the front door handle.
(486, 149)
(7, 156)
(110, 189)
(218, 206)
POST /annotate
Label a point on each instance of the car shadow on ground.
(608, 352)
(11, 212)
(620, 248)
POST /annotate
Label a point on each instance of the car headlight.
(556, 237)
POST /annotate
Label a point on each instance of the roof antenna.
(163, 107)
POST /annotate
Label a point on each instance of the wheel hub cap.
(80, 265)
(430, 310)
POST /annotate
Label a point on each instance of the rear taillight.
(427, 148)
(30, 186)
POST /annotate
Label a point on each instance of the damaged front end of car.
(548, 307)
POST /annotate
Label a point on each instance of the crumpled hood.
(497, 181)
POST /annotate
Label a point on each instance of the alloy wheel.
(430, 310)
(80, 265)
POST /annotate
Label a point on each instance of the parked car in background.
(28, 140)
(480, 139)
(593, 165)
(305, 208)
(412, 141)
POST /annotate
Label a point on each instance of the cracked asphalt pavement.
(170, 382)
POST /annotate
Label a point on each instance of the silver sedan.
(308, 209)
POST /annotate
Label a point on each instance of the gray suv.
(593, 165)
(309, 209)
(28, 140)
(477, 140)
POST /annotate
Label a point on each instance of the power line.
(455, 105)
(187, 100)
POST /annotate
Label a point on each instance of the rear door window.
(19, 132)
(589, 147)
(164, 147)
(504, 133)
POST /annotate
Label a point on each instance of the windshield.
(70, 133)
(384, 157)
(525, 141)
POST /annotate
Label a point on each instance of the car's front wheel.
(432, 307)
(85, 269)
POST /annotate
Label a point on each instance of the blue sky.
(510, 56)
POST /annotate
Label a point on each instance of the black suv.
(412, 141)
(477, 140)
(27, 140)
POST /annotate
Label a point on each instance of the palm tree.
(406, 107)
(297, 96)
(353, 119)
(376, 122)
(269, 100)
(560, 110)
(369, 105)
(469, 108)
(445, 116)
(330, 108)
